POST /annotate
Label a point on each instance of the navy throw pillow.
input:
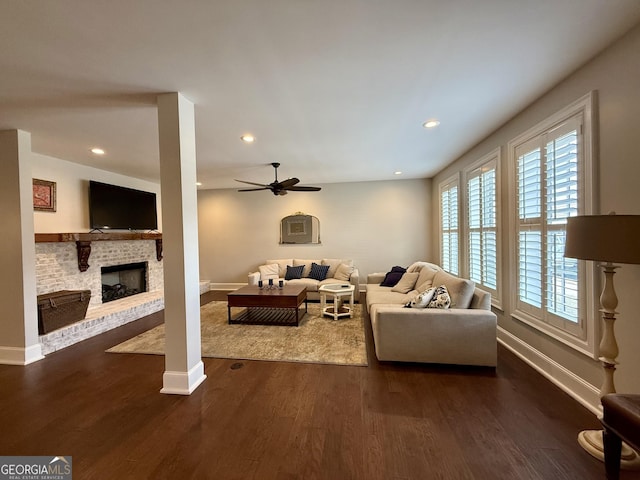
(293, 272)
(318, 272)
(393, 277)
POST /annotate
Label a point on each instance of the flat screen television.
(121, 208)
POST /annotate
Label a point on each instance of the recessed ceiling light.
(97, 151)
(198, 184)
(248, 138)
(397, 173)
(431, 123)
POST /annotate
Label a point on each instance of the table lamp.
(607, 239)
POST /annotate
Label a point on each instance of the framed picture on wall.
(44, 195)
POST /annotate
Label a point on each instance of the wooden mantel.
(83, 242)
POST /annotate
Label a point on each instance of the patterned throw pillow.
(421, 300)
(441, 298)
(318, 272)
(294, 272)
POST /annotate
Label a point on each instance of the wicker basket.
(57, 309)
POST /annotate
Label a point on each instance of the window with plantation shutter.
(482, 256)
(449, 226)
(552, 180)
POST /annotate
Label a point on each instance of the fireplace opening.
(119, 281)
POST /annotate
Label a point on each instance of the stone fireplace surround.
(57, 268)
(57, 265)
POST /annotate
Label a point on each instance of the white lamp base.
(591, 441)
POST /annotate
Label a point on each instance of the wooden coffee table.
(275, 306)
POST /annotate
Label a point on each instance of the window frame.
(584, 338)
(493, 157)
(447, 185)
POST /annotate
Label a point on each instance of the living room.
(383, 223)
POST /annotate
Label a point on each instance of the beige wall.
(615, 75)
(72, 186)
(377, 224)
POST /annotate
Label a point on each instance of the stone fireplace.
(120, 281)
(57, 264)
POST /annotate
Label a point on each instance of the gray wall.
(377, 224)
(615, 74)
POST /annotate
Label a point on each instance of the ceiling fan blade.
(252, 189)
(302, 188)
(252, 183)
(290, 182)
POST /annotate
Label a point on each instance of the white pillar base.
(183, 383)
(591, 441)
(20, 356)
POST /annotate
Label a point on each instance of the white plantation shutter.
(551, 178)
(562, 202)
(482, 245)
(449, 226)
(530, 227)
(548, 187)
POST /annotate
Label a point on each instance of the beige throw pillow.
(269, 271)
(334, 263)
(343, 273)
(282, 265)
(406, 283)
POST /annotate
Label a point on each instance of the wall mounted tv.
(121, 208)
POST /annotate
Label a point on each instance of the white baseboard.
(583, 392)
(183, 383)
(20, 356)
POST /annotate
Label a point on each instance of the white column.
(19, 321)
(184, 369)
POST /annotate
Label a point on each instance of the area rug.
(317, 339)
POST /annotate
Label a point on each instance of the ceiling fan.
(279, 188)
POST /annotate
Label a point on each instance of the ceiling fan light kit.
(279, 188)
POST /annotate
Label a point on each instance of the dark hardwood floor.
(271, 420)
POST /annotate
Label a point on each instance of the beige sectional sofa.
(464, 334)
(340, 270)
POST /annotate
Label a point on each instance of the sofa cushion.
(441, 298)
(309, 283)
(416, 266)
(460, 289)
(425, 278)
(333, 264)
(343, 273)
(306, 263)
(377, 294)
(293, 272)
(406, 282)
(268, 271)
(318, 272)
(282, 265)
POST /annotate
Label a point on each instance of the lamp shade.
(604, 238)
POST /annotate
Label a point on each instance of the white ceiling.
(334, 90)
